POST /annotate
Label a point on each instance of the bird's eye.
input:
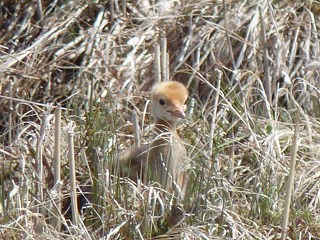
(162, 102)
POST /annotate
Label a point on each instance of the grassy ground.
(252, 70)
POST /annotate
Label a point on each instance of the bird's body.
(163, 159)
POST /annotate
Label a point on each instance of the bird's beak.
(177, 112)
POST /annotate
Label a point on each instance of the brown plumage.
(164, 159)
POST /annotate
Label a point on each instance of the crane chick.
(163, 159)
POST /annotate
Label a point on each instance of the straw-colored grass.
(252, 69)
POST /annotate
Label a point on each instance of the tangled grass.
(252, 69)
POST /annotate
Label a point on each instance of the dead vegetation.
(252, 69)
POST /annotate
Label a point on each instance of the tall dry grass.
(251, 67)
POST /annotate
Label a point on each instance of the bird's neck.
(165, 125)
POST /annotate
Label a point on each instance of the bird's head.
(168, 101)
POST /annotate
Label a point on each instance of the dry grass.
(251, 68)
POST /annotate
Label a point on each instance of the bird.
(163, 159)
